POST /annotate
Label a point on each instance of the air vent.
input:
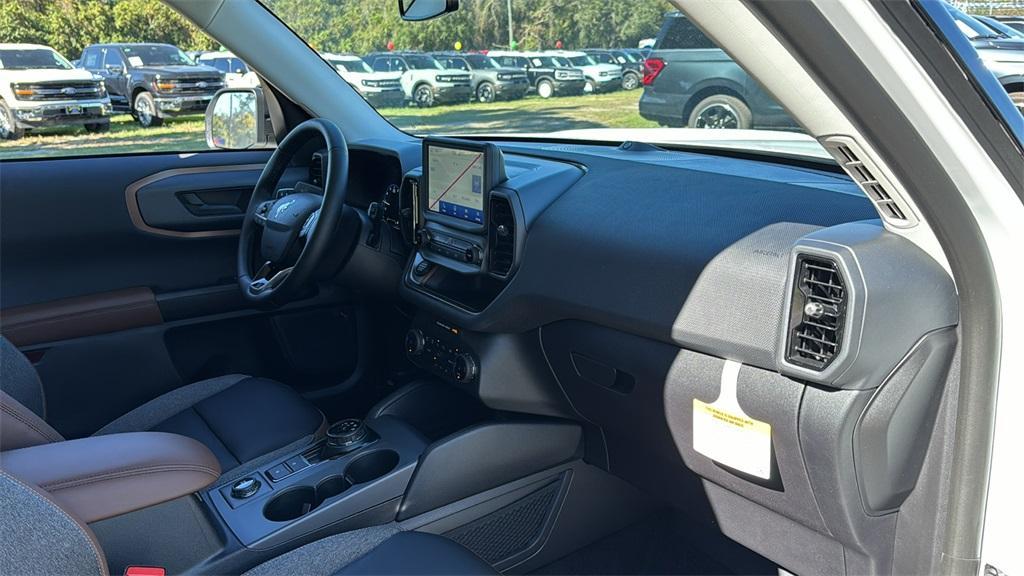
(817, 313)
(502, 236)
(890, 206)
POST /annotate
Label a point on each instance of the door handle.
(200, 207)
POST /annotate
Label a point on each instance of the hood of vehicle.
(763, 141)
(601, 68)
(180, 71)
(995, 55)
(357, 76)
(516, 71)
(45, 75)
(998, 44)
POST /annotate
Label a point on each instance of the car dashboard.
(637, 290)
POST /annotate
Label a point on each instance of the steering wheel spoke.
(261, 213)
(264, 284)
(309, 225)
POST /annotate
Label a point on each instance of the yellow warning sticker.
(729, 436)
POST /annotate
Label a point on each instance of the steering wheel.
(285, 238)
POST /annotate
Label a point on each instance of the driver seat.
(239, 418)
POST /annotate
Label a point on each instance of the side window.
(459, 64)
(91, 59)
(380, 65)
(681, 34)
(166, 117)
(112, 57)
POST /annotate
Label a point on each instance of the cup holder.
(371, 466)
(298, 502)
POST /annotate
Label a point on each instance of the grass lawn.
(532, 114)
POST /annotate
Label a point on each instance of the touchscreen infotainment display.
(455, 182)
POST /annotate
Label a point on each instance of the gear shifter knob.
(345, 436)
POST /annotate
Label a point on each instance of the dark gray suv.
(689, 81)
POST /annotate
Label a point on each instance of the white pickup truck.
(40, 88)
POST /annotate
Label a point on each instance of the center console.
(359, 466)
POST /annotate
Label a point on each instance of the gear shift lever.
(345, 436)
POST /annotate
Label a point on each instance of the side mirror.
(115, 69)
(236, 119)
(417, 10)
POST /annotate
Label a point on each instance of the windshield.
(582, 61)
(971, 28)
(156, 55)
(563, 93)
(351, 65)
(481, 62)
(1001, 28)
(422, 63)
(33, 59)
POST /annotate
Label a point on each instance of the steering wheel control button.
(277, 473)
(245, 488)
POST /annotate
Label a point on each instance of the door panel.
(118, 280)
(67, 230)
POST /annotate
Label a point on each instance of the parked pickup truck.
(152, 81)
(38, 88)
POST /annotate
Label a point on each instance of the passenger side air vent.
(817, 313)
(502, 236)
(889, 204)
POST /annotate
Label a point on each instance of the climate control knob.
(466, 368)
(414, 342)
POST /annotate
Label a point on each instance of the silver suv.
(490, 80)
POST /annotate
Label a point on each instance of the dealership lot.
(531, 114)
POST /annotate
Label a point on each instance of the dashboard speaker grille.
(817, 313)
(502, 236)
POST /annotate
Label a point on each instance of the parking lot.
(531, 114)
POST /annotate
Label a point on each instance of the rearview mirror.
(236, 119)
(416, 10)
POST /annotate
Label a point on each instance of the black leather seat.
(240, 418)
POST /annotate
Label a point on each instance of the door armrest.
(104, 476)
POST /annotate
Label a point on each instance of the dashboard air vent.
(889, 205)
(817, 313)
(502, 236)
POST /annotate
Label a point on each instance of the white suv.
(600, 77)
(39, 87)
(381, 89)
(236, 72)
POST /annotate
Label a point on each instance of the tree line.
(358, 26)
